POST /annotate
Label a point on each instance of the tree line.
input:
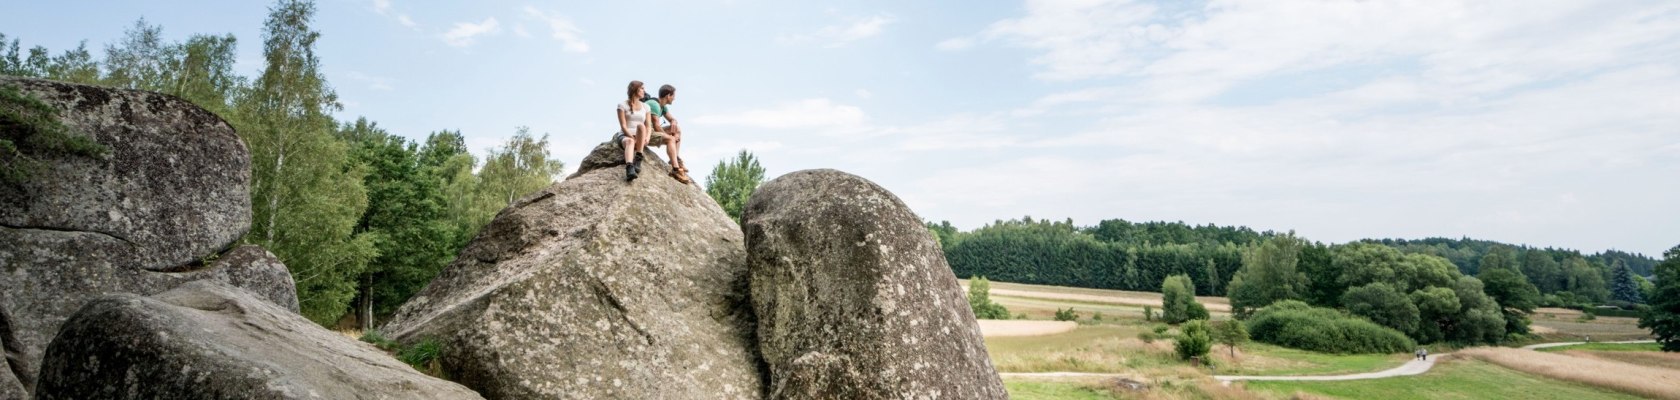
(363, 217)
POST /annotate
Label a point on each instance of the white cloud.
(373, 82)
(406, 21)
(841, 34)
(803, 114)
(381, 6)
(955, 44)
(563, 29)
(465, 33)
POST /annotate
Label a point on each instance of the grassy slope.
(1608, 347)
(1031, 390)
(1453, 379)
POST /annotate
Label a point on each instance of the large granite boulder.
(173, 189)
(205, 340)
(853, 297)
(165, 206)
(596, 288)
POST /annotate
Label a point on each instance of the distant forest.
(1124, 255)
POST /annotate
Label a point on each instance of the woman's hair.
(667, 90)
(634, 86)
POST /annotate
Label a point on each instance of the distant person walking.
(660, 108)
(634, 129)
(1423, 354)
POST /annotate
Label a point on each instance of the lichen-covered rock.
(205, 340)
(596, 288)
(175, 186)
(853, 297)
(172, 193)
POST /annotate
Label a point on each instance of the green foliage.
(1059, 253)
(1268, 274)
(518, 168)
(405, 215)
(306, 194)
(1295, 324)
(423, 356)
(1148, 313)
(1178, 300)
(1097, 316)
(980, 300)
(1148, 337)
(30, 132)
(1510, 289)
(1194, 339)
(1231, 334)
(1479, 320)
(1438, 310)
(1383, 305)
(732, 182)
(1663, 318)
(1066, 315)
(1622, 285)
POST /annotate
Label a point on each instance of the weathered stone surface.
(11, 387)
(175, 186)
(596, 288)
(612, 154)
(853, 297)
(172, 193)
(205, 340)
(51, 286)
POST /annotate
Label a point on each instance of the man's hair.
(667, 90)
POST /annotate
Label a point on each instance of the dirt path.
(1413, 367)
(1561, 344)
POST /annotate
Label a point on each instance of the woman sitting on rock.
(633, 129)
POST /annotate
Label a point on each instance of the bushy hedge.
(1294, 324)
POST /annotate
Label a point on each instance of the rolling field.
(1450, 379)
(1112, 347)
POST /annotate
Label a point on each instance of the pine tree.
(733, 182)
(1622, 286)
(1663, 319)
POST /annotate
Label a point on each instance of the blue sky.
(1544, 123)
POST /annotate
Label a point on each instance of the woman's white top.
(636, 118)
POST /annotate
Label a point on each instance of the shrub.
(1147, 337)
(1194, 339)
(1296, 325)
(1178, 300)
(1066, 315)
(980, 300)
(1148, 313)
(1096, 317)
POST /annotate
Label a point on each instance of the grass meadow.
(1113, 346)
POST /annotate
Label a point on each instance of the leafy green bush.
(980, 300)
(1066, 315)
(1294, 324)
(1194, 339)
(1147, 337)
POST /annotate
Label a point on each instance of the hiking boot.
(629, 172)
(679, 176)
(638, 157)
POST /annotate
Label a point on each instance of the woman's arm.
(624, 122)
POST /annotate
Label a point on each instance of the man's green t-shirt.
(657, 109)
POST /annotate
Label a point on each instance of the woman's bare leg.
(629, 145)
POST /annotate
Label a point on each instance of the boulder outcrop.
(596, 288)
(204, 340)
(174, 188)
(854, 299)
(163, 207)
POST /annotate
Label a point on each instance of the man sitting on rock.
(660, 108)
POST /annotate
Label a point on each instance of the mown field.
(1112, 346)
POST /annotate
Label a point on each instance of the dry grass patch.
(1645, 358)
(1100, 296)
(1601, 329)
(1629, 378)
